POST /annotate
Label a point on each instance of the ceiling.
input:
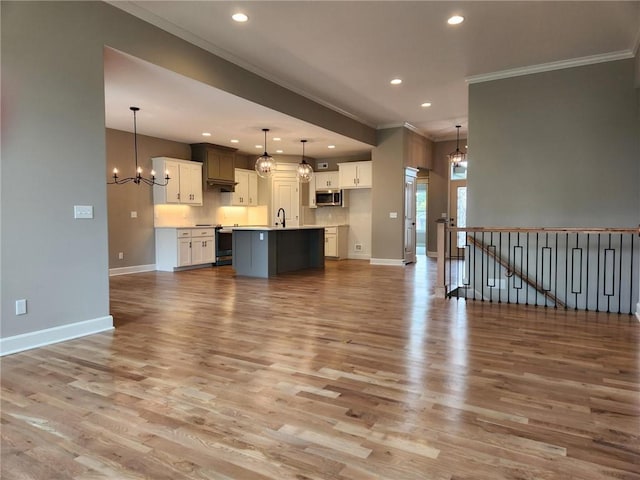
(343, 54)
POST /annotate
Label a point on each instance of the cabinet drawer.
(184, 233)
(202, 232)
(330, 229)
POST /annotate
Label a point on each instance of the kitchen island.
(268, 251)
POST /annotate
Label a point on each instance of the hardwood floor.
(354, 372)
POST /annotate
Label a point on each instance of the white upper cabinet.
(355, 174)
(245, 193)
(185, 184)
(327, 180)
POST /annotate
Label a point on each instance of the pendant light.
(138, 179)
(457, 157)
(305, 171)
(265, 165)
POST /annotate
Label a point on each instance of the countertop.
(229, 228)
(332, 225)
(301, 227)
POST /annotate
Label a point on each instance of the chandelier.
(138, 179)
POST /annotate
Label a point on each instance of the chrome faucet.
(284, 217)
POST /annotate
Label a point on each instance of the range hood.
(221, 184)
(219, 165)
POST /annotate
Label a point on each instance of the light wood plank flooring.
(353, 372)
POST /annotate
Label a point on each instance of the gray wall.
(53, 144)
(134, 237)
(559, 148)
(388, 195)
(333, 162)
(396, 149)
(53, 147)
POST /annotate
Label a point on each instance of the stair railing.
(577, 268)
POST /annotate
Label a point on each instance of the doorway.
(458, 201)
(422, 186)
(410, 175)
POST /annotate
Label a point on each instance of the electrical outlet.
(120, 255)
(21, 306)
(134, 214)
(358, 247)
(393, 214)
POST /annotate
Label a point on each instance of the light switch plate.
(21, 307)
(393, 214)
(83, 211)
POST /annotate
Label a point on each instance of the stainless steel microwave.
(328, 198)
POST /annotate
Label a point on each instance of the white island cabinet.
(177, 248)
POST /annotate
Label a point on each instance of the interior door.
(410, 217)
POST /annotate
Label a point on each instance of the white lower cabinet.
(184, 247)
(336, 241)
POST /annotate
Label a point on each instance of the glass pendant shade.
(265, 164)
(457, 157)
(304, 171)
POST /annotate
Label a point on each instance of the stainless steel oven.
(224, 245)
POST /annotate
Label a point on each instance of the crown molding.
(548, 67)
(406, 125)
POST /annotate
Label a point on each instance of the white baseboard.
(387, 261)
(133, 269)
(359, 256)
(41, 338)
(638, 311)
(432, 254)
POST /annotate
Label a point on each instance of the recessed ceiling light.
(258, 146)
(426, 104)
(276, 139)
(239, 17)
(331, 146)
(206, 134)
(455, 20)
(279, 151)
(396, 81)
(233, 140)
